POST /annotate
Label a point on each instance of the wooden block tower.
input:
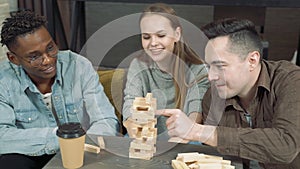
(145, 133)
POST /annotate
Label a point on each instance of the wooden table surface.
(115, 155)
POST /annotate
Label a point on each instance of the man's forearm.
(205, 134)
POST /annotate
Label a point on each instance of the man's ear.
(13, 58)
(177, 34)
(253, 59)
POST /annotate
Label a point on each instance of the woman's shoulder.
(198, 69)
(198, 72)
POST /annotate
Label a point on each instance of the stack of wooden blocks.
(143, 115)
(200, 161)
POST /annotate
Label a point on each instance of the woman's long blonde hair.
(184, 54)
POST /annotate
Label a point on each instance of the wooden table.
(115, 156)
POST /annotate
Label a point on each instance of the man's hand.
(179, 125)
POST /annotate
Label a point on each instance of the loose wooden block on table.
(91, 148)
(195, 160)
(101, 142)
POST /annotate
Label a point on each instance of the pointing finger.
(163, 112)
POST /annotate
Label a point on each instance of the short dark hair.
(19, 24)
(242, 34)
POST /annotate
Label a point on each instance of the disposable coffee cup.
(71, 142)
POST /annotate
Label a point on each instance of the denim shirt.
(27, 126)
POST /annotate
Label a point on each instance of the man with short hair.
(252, 109)
(42, 87)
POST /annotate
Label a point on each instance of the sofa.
(113, 82)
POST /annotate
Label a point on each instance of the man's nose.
(46, 58)
(212, 75)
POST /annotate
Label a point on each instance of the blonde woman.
(167, 68)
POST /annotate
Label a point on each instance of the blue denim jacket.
(27, 126)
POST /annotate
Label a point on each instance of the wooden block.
(153, 104)
(91, 148)
(143, 141)
(146, 123)
(210, 166)
(142, 116)
(149, 137)
(101, 142)
(176, 165)
(212, 157)
(179, 165)
(140, 154)
(150, 122)
(144, 104)
(178, 140)
(226, 162)
(152, 132)
(150, 100)
(215, 166)
(138, 151)
(228, 167)
(188, 157)
(145, 131)
(193, 165)
(217, 161)
(141, 146)
(140, 103)
(148, 97)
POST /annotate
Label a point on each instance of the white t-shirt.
(47, 100)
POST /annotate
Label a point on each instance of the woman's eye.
(161, 36)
